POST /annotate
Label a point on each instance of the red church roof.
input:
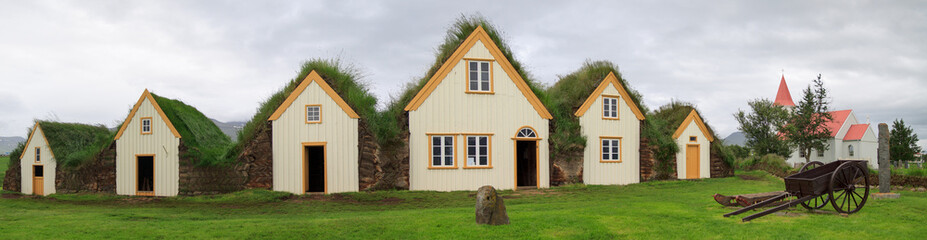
(839, 118)
(856, 132)
(783, 97)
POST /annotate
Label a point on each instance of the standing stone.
(885, 175)
(489, 207)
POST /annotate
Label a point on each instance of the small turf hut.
(166, 148)
(477, 120)
(698, 155)
(312, 135)
(63, 158)
(596, 136)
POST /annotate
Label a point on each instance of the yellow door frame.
(305, 167)
(153, 175)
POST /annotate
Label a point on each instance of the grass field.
(654, 210)
(4, 164)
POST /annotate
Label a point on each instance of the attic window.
(38, 152)
(820, 152)
(146, 125)
(610, 107)
(313, 113)
(693, 138)
(479, 76)
(851, 150)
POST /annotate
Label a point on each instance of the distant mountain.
(736, 138)
(7, 144)
(229, 128)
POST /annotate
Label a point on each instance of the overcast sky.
(88, 61)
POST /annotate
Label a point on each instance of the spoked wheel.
(820, 201)
(844, 195)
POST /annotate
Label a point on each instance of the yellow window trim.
(38, 156)
(146, 95)
(141, 125)
(154, 175)
(316, 78)
(306, 116)
(613, 80)
(620, 149)
(431, 153)
(305, 160)
(478, 35)
(693, 138)
(492, 83)
(488, 151)
(617, 108)
(693, 116)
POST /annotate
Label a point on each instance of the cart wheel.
(820, 201)
(844, 195)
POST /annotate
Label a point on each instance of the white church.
(850, 139)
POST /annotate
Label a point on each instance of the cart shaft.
(778, 208)
(757, 205)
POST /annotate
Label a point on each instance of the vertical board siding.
(450, 110)
(47, 161)
(628, 128)
(161, 142)
(704, 170)
(337, 130)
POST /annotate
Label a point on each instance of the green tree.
(806, 128)
(760, 128)
(902, 142)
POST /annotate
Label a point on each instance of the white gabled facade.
(497, 117)
(37, 145)
(162, 143)
(336, 131)
(602, 129)
(694, 140)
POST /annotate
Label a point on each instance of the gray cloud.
(88, 61)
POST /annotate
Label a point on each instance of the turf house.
(611, 122)
(166, 148)
(312, 136)
(477, 120)
(62, 158)
(694, 141)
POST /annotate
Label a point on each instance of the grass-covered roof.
(675, 112)
(204, 140)
(74, 143)
(344, 79)
(455, 36)
(569, 93)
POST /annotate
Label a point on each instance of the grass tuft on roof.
(675, 112)
(74, 143)
(344, 79)
(455, 36)
(205, 142)
(569, 93)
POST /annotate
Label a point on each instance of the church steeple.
(783, 97)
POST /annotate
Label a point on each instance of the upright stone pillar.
(885, 174)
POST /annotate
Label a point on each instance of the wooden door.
(38, 180)
(692, 161)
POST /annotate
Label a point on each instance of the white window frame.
(609, 107)
(479, 73)
(442, 149)
(609, 151)
(148, 125)
(850, 148)
(38, 154)
(317, 109)
(479, 150)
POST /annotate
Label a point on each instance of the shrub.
(770, 163)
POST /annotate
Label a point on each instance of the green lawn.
(654, 210)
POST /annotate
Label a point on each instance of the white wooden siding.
(46, 159)
(161, 142)
(337, 130)
(450, 110)
(628, 128)
(704, 170)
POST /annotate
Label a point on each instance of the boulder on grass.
(489, 207)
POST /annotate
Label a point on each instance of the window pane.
(615, 156)
(449, 161)
(485, 86)
(436, 141)
(483, 151)
(615, 143)
(436, 151)
(484, 76)
(473, 86)
(483, 141)
(605, 156)
(436, 161)
(471, 151)
(484, 66)
(471, 141)
(484, 161)
(473, 67)
(448, 141)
